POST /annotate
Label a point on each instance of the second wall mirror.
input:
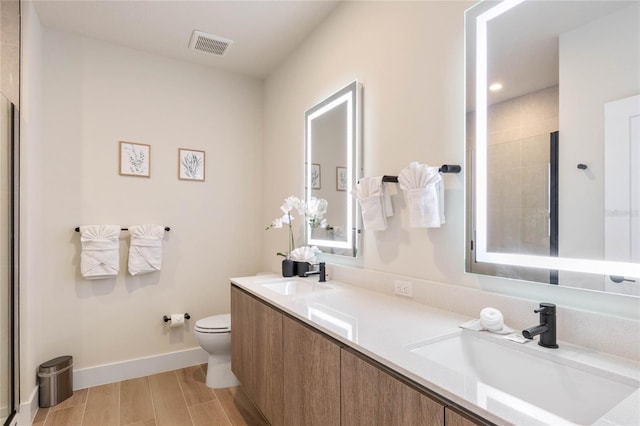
(553, 131)
(333, 165)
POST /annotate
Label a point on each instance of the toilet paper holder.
(167, 318)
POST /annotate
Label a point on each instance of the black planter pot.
(288, 268)
(301, 268)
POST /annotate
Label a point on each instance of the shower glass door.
(8, 321)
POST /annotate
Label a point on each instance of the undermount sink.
(292, 286)
(506, 376)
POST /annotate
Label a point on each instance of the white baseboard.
(28, 409)
(118, 371)
(110, 373)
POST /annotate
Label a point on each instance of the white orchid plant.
(313, 211)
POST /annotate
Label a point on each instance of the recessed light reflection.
(495, 87)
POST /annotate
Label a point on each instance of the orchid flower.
(313, 211)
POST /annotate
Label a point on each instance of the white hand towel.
(375, 203)
(304, 254)
(145, 250)
(491, 319)
(425, 195)
(100, 256)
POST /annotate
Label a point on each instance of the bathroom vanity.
(325, 382)
(330, 354)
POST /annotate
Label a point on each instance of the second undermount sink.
(294, 286)
(508, 377)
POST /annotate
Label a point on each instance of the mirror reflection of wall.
(591, 75)
(329, 151)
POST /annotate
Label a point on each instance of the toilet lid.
(214, 324)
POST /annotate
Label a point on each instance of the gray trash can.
(56, 381)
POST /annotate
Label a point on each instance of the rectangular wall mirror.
(333, 151)
(553, 142)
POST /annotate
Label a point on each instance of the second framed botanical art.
(315, 175)
(135, 159)
(341, 179)
(190, 164)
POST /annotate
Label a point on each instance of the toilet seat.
(216, 324)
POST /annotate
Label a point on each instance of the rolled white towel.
(491, 319)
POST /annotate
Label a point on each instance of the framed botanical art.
(135, 159)
(316, 180)
(341, 179)
(190, 164)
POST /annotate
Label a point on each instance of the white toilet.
(214, 336)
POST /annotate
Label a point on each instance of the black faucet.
(321, 271)
(547, 327)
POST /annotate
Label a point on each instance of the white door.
(622, 189)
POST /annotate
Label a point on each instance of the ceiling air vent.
(208, 43)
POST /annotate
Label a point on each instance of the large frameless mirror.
(332, 167)
(553, 140)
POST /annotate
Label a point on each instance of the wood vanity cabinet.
(256, 353)
(371, 396)
(296, 375)
(263, 340)
(312, 376)
(454, 418)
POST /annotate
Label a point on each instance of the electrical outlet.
(403, 288)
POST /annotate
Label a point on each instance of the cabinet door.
(454, 418)
(256, 353)
(359, 393)
(370, 396)
(267, 361)
(311, 377)
(241, 332)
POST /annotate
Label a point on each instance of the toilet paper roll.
(177, 320)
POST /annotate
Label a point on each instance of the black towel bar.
(166, 228)
(446, 168)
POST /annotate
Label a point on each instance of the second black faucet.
(547, 327)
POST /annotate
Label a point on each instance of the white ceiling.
(264, 32)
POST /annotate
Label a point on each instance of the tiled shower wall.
(518, 158)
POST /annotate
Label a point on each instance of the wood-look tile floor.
(174, 398)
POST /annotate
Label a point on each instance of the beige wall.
(409, 58)
(93, 95)
(31, 211)
(10, 47)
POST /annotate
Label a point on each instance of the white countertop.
(385, 328)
